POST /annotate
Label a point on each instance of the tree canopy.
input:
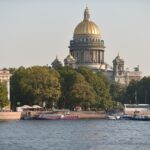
(3, 95)
(138, 91)
(68, 88)
(35, 85)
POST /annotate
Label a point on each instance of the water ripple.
(75, 135)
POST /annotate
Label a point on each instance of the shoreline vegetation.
(67, 88)
(62, 87)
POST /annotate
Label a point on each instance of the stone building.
(87, 49)
(123, 76)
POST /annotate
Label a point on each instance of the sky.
(34, 32)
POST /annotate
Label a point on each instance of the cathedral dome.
(87, 26)
(56, 63)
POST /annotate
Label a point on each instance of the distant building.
(56, 64)
(124, 76)
(132, 109)
(5, 78)
(70, 61)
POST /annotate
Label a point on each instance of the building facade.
(87, 49)
(123, 76)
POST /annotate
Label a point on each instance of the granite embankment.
(80, 114)
(89, 114)
(10, 115)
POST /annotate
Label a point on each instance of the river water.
(75, 135)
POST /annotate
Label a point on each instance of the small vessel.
(114, 117)
(141, 117)
(48, 117)
(126, 117)
(111, 117)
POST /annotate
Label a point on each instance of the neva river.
(75, 135)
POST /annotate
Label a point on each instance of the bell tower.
(118, 66)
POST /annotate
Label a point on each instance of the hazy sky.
(33, 32)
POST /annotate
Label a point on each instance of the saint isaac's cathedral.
(87, 49)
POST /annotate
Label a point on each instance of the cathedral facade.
(87, 49)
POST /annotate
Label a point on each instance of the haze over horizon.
(33, 32)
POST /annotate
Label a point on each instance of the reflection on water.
(75, 135)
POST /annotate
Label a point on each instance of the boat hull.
(52, 117)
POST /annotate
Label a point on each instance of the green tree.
(75, 89)
(35, 85)
(100, 85)
(81, 93)
(67, 80)
(17, 94)
(117, 92)
(3, 96)
(143, 91)
(131, 93)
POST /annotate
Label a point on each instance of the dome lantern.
(86, 14)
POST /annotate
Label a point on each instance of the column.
(8, 89)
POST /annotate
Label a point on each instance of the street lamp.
(135, 96)
(145, 96)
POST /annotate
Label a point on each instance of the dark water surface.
(75, 135)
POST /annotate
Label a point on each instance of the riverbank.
(78, 114)
(90, 114)
(10, 115)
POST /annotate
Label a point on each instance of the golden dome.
(70, 57)
(87, 26)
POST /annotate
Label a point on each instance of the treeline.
(138, 92)
(3, 96)
(66, 87)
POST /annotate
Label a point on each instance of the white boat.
(113, 117)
